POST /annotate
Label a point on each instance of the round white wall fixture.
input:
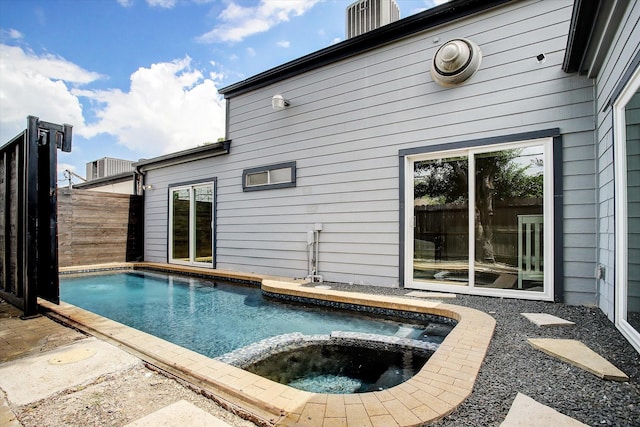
(455, 61)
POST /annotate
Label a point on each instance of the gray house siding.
(618, 59)
(346, 125)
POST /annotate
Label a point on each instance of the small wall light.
(147, 187)
(278, 102)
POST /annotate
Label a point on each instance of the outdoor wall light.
(278, 102)
(147, 187)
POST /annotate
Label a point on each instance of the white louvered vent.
(367, 15)
(107, 166)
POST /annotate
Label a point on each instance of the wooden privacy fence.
(447, 227)
(96, 227)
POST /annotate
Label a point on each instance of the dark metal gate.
(28, 214)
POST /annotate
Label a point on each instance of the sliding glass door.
(627, 144)
(191, 224)
(441, 215)
(481, 220)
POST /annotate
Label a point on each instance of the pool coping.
(445, 381)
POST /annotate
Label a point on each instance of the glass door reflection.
(203, 223)
(632, 131)
(509, 219)
(441, 221)
(181, 207)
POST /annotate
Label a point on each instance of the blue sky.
(139, 78)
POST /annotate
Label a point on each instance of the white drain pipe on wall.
(313, 250)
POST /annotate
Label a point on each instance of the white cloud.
(428, 4)
(167, 4)
(67, 166)
(284, 43)
(11, 33)
(38, 85)
(169, 107)
(239, 22)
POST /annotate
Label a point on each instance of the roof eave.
(105, 180)
(580, 32)
(192, 154)
(431, 18)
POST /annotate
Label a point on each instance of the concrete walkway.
(33, 378)
(42, 357)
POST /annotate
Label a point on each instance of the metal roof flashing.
(445, 13)
(192, 154)
(110, 179)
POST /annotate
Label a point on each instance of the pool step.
(404, 332)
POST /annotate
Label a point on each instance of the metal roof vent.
(455, 61)
(367, 15)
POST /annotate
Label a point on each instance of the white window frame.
(192, 228)
(621, 214)
(409, 282)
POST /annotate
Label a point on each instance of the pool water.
(210, 317)
(340, 369)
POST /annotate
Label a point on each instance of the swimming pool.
(211, 317)
(263, 400)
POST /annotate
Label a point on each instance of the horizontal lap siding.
(347, 122)
(616, 63)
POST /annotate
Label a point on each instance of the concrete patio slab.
(24, 337)
(544, 319)
(526, 412)
(421, 294)
(179, 414)
(578, 354)
(33, 378)
(7, 417)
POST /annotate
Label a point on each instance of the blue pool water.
(209, 317)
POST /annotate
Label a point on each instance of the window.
(191, 223)
(479, 220)
(267, 177)
(626, 113)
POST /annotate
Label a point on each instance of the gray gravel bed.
(512, 365)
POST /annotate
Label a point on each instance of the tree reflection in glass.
(507, 191)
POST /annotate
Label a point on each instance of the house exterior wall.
(345, 127)
(617, 62)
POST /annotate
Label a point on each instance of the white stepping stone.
(578, 354)
(179, 414)
(526, 412)
(544, 319)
